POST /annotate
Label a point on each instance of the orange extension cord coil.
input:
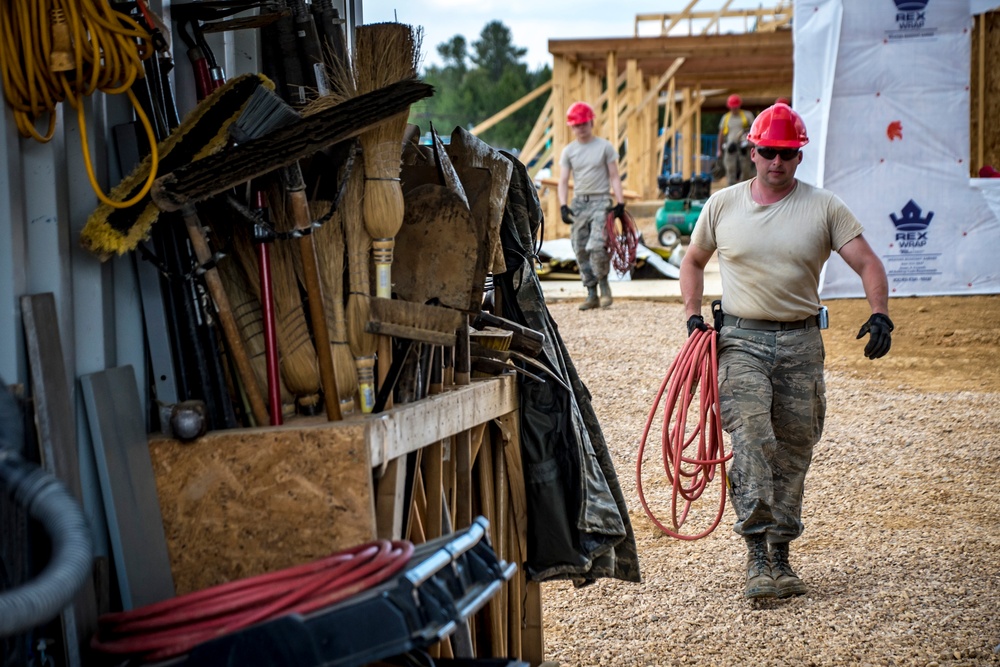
(696, 366)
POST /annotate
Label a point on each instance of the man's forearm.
(692, 289)
(876, 286)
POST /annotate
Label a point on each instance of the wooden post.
(561, 71)
(611, 115)
(687, 139)
(633, 131)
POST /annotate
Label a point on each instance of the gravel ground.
(901, 548)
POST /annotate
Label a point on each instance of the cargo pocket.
(728, 408)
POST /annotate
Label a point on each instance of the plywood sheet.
(243, 502)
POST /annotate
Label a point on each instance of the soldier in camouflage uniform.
(593, 161)
(773, 235)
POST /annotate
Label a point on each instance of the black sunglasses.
(769, 153)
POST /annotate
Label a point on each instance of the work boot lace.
(779, 561)
(759, 556)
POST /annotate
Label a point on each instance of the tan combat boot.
(592, 300)
(785, 580)
(605, 294)
(760, 583)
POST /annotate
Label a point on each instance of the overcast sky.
(532, 22)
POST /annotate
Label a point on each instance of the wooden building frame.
(650, 92)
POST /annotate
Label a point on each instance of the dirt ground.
(940, 343)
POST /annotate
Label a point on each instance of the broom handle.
(222, 307)
(296, 188)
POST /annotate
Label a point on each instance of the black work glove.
(880, 328)
(696, 322)
(567, 214)
(619, 211)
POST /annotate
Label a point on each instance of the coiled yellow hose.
(54, 51)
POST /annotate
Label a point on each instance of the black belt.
(767, 325)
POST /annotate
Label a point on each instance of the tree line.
(473, 84)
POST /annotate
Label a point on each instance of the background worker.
(593, 162)
(773, 235)
(733, 129)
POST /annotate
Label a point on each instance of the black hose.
(48, 501)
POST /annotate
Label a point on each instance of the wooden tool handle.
(462, 361)
(225, 312)
(295, 187)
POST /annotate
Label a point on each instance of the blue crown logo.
(910, 5)
(911, 220)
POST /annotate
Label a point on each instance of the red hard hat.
(778, 126)
(579, 113)
(734, 101)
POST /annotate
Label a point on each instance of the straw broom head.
(250, 320)
(331, 249)
(299, 366)
(362, 343)
(384, 53)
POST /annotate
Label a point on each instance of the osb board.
(244, 502)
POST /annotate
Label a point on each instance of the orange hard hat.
(734, 101)
(778, 126)
(579, 113)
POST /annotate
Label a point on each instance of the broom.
(249, 320)
(330, 249)
(384, 53)
(361, 343)
(298, 357)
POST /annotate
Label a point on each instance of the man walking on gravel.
(593, 162)
(773, 234)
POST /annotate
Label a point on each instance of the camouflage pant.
(588, 235)
(739, 166)
(773, 401)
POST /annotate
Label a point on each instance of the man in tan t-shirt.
(773, 234)
(593, 161)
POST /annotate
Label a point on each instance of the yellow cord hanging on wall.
(55, 51)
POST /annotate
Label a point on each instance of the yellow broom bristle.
(493, 338)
